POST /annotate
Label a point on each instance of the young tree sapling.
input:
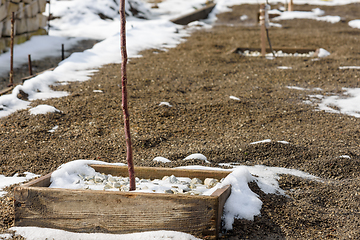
(129, 155)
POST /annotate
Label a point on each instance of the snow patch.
(197, 156)
(354, 23)
(284, 67)
(161, 159)
(262, 141)
(43, 109)
(234, 98)
(165, 104)
(35, 233)
(8, 181)
(53, 129)
(323, 53)
(349, 67)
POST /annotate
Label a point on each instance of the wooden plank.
(43, 181)
(194, 16)
(113, 212)
(223, 194)
(6, 90)
(159, 173)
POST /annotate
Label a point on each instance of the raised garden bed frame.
(122, 212)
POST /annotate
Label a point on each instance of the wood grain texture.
(159, 173)
(120, 212)
(194, 16)
(223, 194)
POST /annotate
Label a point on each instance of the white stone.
(99, 178)
(196, 181)
(172, 179)
(124, 188)
(108, 186)
(210, 182)
(76, 181)
(111, 179)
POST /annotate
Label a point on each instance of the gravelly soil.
(197, 78)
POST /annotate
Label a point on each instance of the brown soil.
(197, 78)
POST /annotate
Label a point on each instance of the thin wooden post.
(129, 155)
(49, 17)
(291, 6)
(263, 30)
(12, 50)
(62, 52)
(29, 65)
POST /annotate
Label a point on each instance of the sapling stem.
(129, 155)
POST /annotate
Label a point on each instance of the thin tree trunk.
(129, 155)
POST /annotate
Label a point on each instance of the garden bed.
(279, 52)
(122, 212)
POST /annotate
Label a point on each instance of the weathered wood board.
(6, 90)
(196, 15)
(122, 212)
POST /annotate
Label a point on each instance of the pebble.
(168, 184)
(196, 181)
(210, 182)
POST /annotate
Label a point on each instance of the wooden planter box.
(122, 212)
(268, 50)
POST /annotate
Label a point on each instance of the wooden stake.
(263, 30)
(62, 52)
(49, 17)
(12, 50)
(291, 6)
(29, 64)
(129, 155)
